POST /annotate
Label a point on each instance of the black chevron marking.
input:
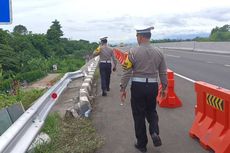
(215, 102)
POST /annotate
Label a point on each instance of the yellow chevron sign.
(215, 102)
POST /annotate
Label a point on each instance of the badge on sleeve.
(127, 64)
(98, 50)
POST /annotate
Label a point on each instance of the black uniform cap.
(103, 38)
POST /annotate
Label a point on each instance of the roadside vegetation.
(70, 135)
(26, 57)
(25, 97)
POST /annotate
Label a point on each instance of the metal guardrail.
(197, 50)
(201, 47)
(19, 136)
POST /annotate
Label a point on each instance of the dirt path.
(43, 83)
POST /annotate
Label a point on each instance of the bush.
(31, 76)
(26, 97)
(70, 135)
(69, 64)
(6, 100)
(5, 85)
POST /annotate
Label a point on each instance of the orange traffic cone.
(171, 100)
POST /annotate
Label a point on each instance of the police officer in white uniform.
(105, 64)
(143, 66)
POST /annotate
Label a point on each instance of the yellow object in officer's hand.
(127, 64)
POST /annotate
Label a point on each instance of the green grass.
(69, 135)
(97, 74)
(25, 97)
(52, 127)
(72, 135)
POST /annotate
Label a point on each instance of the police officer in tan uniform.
(105, 64)
(143, 66)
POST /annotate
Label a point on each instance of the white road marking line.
(189, 52)
(227, 65)
(186, 78)
(172, 55)
(209, 62)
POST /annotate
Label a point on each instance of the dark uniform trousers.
(105, 72)
(143, 103)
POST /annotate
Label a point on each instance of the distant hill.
(187, 36)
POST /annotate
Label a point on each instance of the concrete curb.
(83, 106)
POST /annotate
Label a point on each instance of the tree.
(8, 60)
(225, 28)
(20, 43)
(54, 33)
(20, 29)
(1, 71)
(4, 37)
(220, 34)
(214, 30)
(40, 43)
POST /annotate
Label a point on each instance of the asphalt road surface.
(115, 123)
(210, 68)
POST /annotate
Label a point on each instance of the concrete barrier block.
(88, 80)
(86, 85)
(90, 76)
(91, 73)
(83, 107)
(41, 139)
(84, 92)
(71, 112)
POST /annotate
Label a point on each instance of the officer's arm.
(114, 60)
(127, 71)
(163, 73)
(125, 79)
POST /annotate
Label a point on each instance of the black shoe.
(141, 149)
(104, 93)
(156, 140)
(108, 89)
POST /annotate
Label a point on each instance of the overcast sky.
(117, 19)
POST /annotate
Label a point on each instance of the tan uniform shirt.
(144, 61)
(105, 53)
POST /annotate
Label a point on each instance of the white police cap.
(144, 30)
(103, 38)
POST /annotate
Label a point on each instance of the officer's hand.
(114, 69)
(163, 94)
(123, 96)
